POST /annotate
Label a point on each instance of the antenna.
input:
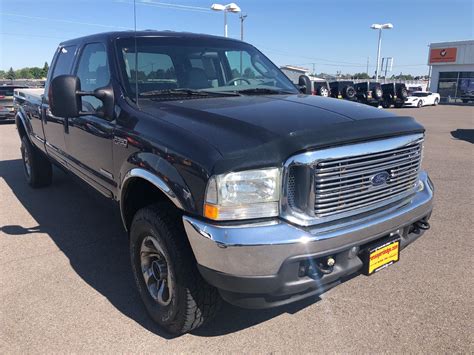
(136, 49)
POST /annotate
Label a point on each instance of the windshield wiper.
(185, 92)
(262, 91)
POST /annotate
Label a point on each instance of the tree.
(2, 74)
(361, 76)
(36, 72)
(45, 70)
(11, 74)
(23, 73)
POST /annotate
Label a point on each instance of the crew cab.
(231, 183)
(422, 98)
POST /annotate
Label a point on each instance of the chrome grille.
(344, 184)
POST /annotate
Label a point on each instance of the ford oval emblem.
(380, 178)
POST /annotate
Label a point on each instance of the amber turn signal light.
(211, 211)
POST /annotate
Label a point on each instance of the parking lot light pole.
(376, 26)
(232, 7)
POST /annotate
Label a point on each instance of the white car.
(422, 98)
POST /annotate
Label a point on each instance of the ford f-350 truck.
(231, 182)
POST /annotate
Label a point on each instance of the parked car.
(394, 94)
(7, 110)
(231, 188)
(422, 98)
(321, 88)
(369, 93)
(343, 90)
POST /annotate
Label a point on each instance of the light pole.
(376, 26)
(232, 7)
(242, 18)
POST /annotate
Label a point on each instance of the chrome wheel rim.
(324, 92)
(26, 161)
(155, 271)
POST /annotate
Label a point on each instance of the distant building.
(293, 72)
(452, 73)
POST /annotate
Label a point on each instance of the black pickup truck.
(231, 183)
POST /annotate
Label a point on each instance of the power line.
(63, 21)
(169, 6)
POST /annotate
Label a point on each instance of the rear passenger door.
(89, 138)
(55, 127)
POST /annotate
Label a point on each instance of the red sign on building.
(443, 55)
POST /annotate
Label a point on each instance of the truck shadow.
(464, 134)
(89, 232)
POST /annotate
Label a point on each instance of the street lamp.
(376, 26)
(232, 7)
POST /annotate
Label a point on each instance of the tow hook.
(318, 267)
(423, 225)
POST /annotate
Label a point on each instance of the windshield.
(420, 94)
(167, 65)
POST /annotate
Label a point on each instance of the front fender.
(161, 174)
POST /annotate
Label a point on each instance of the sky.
(334, 35)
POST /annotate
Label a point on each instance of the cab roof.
(107, 36)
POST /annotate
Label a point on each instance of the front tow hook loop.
(423, 225)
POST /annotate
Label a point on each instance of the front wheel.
(37, 168)
(170, 285)
(419, 104)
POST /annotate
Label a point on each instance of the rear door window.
(93, 72)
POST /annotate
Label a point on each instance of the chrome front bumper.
(260, 249)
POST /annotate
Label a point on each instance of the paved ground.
(66, 285)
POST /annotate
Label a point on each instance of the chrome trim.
(345, 152)
(259, 249)
(106, 173)
(153, 179)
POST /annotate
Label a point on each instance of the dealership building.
(452, 70)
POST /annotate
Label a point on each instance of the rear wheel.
(37, 168)
(170, 285)
(385, 104)
(436, 102)
(323, 91)
(348, 92)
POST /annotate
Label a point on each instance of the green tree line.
(25, 73)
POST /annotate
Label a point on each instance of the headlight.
(243, 195)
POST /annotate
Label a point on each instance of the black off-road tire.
(398, 105)
(36, 166)
(193, 300)
(348, 92)
(385, 104)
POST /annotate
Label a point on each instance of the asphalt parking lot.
(66, 284)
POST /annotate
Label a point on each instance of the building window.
(456, 86)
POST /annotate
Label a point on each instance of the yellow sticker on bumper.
(384, 256)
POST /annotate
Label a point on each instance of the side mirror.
(65, 98)
(304, 83)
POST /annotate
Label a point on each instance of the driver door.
(89, 138)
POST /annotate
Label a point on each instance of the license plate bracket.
(380, 255)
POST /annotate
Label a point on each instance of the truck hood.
(265, 130)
